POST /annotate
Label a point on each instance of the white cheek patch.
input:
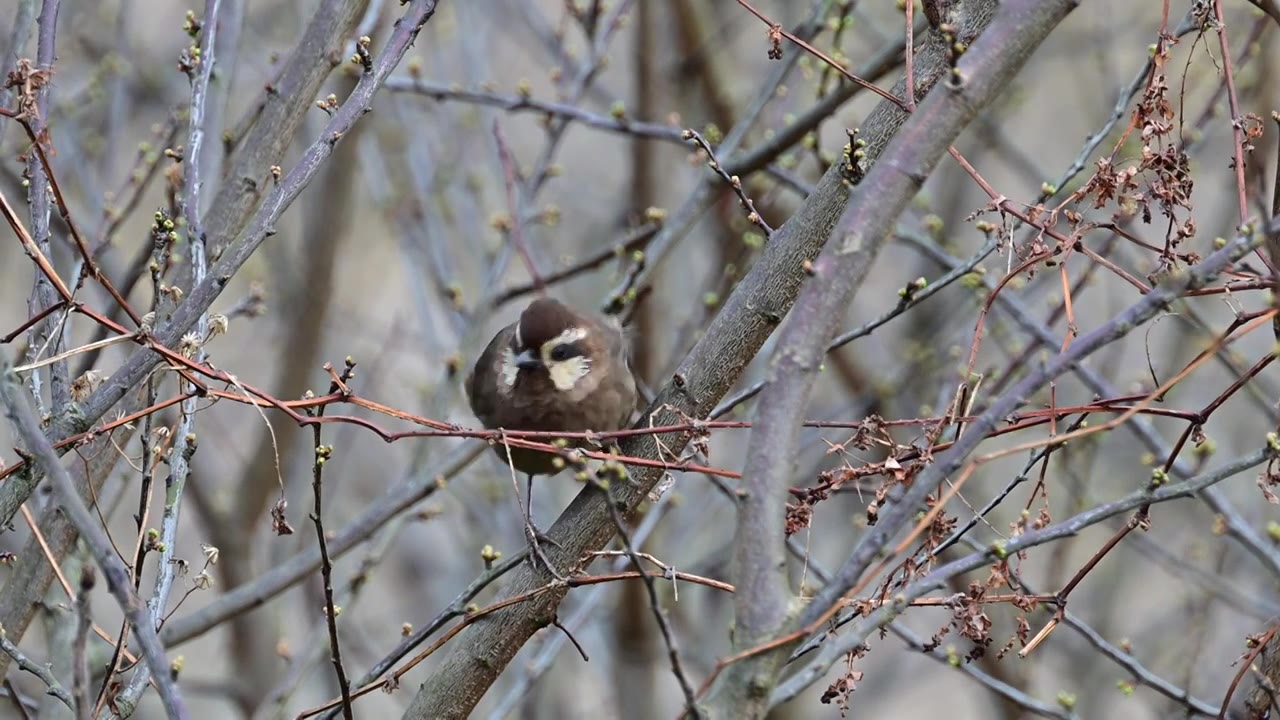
(566, 374)
(509, 368)
(571, 335)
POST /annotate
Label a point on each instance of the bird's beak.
(526, 360)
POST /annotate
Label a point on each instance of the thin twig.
(523, 103)
(634, 240)
(43, 672)
(668, 637)
(515, 225)
(1246, 663)
(776, 28)
(98, 345)
(300, 666)
(733, 181)
(1237, 122)
(555, 622)
(322, 455)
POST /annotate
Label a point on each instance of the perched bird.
(554, 369)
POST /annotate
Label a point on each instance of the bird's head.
(550, 341)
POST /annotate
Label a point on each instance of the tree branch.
(763, 607)
(47, 335)
(185, 437)
(27, 427)
(272, 125)
(53, 687)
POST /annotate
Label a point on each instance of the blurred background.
(400, 255)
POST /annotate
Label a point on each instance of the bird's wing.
(618, 337)
(619, 341)
(482, 381)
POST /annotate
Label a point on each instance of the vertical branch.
(1237, 126)
(79, 650)
(1273, 239)
(691, 708)
(48, 332)
(222, 79)
(192, 161)
(322, 455)
(184, 440)
(18, 36)
(161, 248)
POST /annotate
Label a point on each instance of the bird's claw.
(535, 538)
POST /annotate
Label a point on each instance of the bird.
(555, 369)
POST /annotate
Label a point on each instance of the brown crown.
(544, 319)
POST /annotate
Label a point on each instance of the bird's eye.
(560, 353)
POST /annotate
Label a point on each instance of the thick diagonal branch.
(764, 608)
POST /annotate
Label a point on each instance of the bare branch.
(28, 428)
(55, 688)
(764, 612)
(48, 334)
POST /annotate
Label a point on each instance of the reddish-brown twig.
(1237, 122)
(90, 265)
(1245, 664)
